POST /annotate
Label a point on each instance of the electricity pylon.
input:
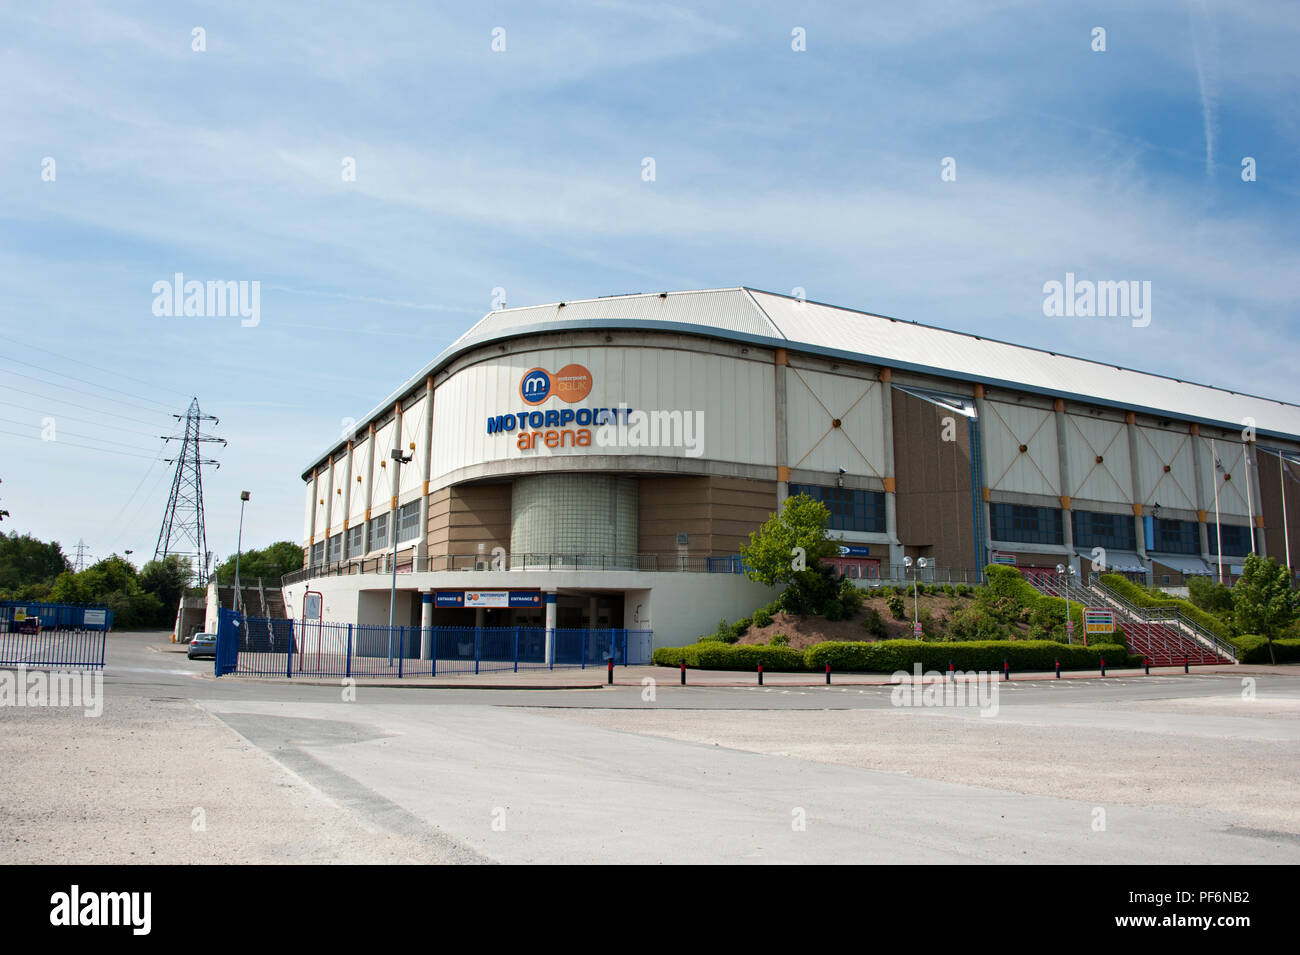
(182, 526)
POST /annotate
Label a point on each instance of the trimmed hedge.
(1007, 582)
(722, 656)
(1254, 649)
(887, 656)
(1141, 597)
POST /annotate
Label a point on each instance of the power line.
(89, 437)
(108, 371)
(59, 384)
(73, 404)
(85, 421)
(84, 381)
(72, 444)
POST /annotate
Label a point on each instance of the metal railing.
(289, 648)
(408, 563)
(1166, 616)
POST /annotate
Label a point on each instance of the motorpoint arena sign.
(554, 427)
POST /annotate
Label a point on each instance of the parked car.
(203, 645)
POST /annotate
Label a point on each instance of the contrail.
(1206, 77)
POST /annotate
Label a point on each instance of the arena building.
(598, 464)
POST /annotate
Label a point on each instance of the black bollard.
(683, 672)
(1058, 669)
(951, 672)
(1006, 670)
(611, 671)
(760, 674)
(1147, 664)
(1103, 666)
(1185, 669)
(828, 674)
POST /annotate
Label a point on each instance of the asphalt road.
(1163, 769)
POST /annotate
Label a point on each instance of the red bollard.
(683, 672)
(760, 674)
(1103, 666)
(951, 672)
(1185, 669)
(611, 671)
(1147, 664)
(1006, 670)
(1058, 669)
(828, 674)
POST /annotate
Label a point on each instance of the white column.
(549, 601)
(426, 625)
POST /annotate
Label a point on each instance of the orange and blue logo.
(571, 383)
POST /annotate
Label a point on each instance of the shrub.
(779, 640)
(832, 609)
(897, 606)
(1211, 596)
(740, 626)
(850, 598)
(762, 618)
(889, 656)
(715, 656)
(873, 623)
(976, 623)
(964, 590)
(1252, 648)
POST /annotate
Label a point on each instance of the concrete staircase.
(1164, 636)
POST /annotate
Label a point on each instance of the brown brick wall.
(717, 512)
(461, 518)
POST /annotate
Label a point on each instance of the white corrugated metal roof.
(765, 318)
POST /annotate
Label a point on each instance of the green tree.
(269, 563)
(1263, 600)
(788, 549)
(1211, 596)
(794, 540)
(167, 579)
(26, 562)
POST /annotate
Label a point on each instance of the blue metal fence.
(291, 648)
(49, 647)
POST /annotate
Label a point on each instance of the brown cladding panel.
(933, 481)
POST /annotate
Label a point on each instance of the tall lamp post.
(921, 564)
(401, 459)
(239, 545)
(1065, 573)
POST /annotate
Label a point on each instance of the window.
(1025, 524)
(1111, 531)
(379, 532)
(357, 539)
(1236, 539)
(1176, 537)
(851, 509)
(408, 521)
(318, 553)
(336, 548)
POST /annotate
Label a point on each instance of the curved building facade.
(609, 456)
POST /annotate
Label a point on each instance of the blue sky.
(522, 169)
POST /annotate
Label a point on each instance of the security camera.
(844, 470)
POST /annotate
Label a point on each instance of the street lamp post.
(921, 564)
(239, 545)
(400, 459)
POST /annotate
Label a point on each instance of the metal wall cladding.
(337, 502)
(310, 501)
(1232, 492)
(904, 344)
(814, 400)
(412, 479)
(322, 503)
(1109, 480)
(1006, 427)
(727, 401)
(381, 490)
(1158, 449)
(568, 513)
(359, 496)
